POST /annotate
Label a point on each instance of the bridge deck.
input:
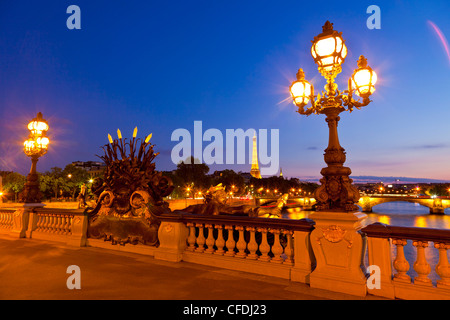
(34, 269)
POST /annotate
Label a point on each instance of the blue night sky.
(161, 65)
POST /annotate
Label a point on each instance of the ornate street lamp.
(35, 147)
(336, 192)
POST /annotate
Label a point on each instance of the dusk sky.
(161, 65)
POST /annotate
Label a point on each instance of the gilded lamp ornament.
(329, 51)
(35, 147)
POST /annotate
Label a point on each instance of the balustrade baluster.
(220, 241)
(400, 262)
(51, 226)
(38, 222)
(58, 226)
(277, 249)
(63, 224)
(264, 247)
(4, 219)
(46, 223)
(252, 244)
(53, 223)
(69, 224)
(230, 243)
(289, 249)
(241, 245)
(191, 238)
(443, 267)
(421, 266)
(201, 238)
(210, 240)
(64, 219)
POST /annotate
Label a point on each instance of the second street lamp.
(35, 146)
(336, 193)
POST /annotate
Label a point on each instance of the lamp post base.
(31, 192)
(339, 251)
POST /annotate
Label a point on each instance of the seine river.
(408, 215)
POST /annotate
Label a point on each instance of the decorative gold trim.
(334, 233)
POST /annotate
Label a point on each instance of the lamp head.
(38, 125)
(300, 90)
(363, 79)
(329, 51)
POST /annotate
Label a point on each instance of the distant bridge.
(436, 205)
(306, 203)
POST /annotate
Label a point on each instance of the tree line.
(57, 183)
(191, 179)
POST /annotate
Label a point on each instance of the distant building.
(94, 168)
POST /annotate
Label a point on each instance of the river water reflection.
(407, 215)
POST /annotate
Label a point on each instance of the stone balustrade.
(267, 246)
(63, 225)
(273, 247)
(399, 283)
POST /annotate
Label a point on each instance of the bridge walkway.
(35, 269)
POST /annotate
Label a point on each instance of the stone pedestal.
(21, 218)
(339, 251)
(172, 241)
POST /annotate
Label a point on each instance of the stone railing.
(273, 247)
(63, 225)
(399, 284)
(298, 250)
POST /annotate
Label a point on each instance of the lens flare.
(442, 38)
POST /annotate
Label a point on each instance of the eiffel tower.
(254, 171)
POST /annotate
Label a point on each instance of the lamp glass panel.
(363, 81)
(325, 47)
(38, 126)
(344, 51)
(338, 44)
(301, 91)
(327, 61)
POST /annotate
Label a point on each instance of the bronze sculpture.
(215, 203)
(130, 194)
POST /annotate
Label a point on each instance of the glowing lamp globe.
(363, 79)
(329, 50)
(300, 90)
(29, 146)
(43, 143)
(38, 125)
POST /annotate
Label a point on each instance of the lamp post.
(336, 193)
(35, 147)
(337, 245)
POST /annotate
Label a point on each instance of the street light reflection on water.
(402, 214)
